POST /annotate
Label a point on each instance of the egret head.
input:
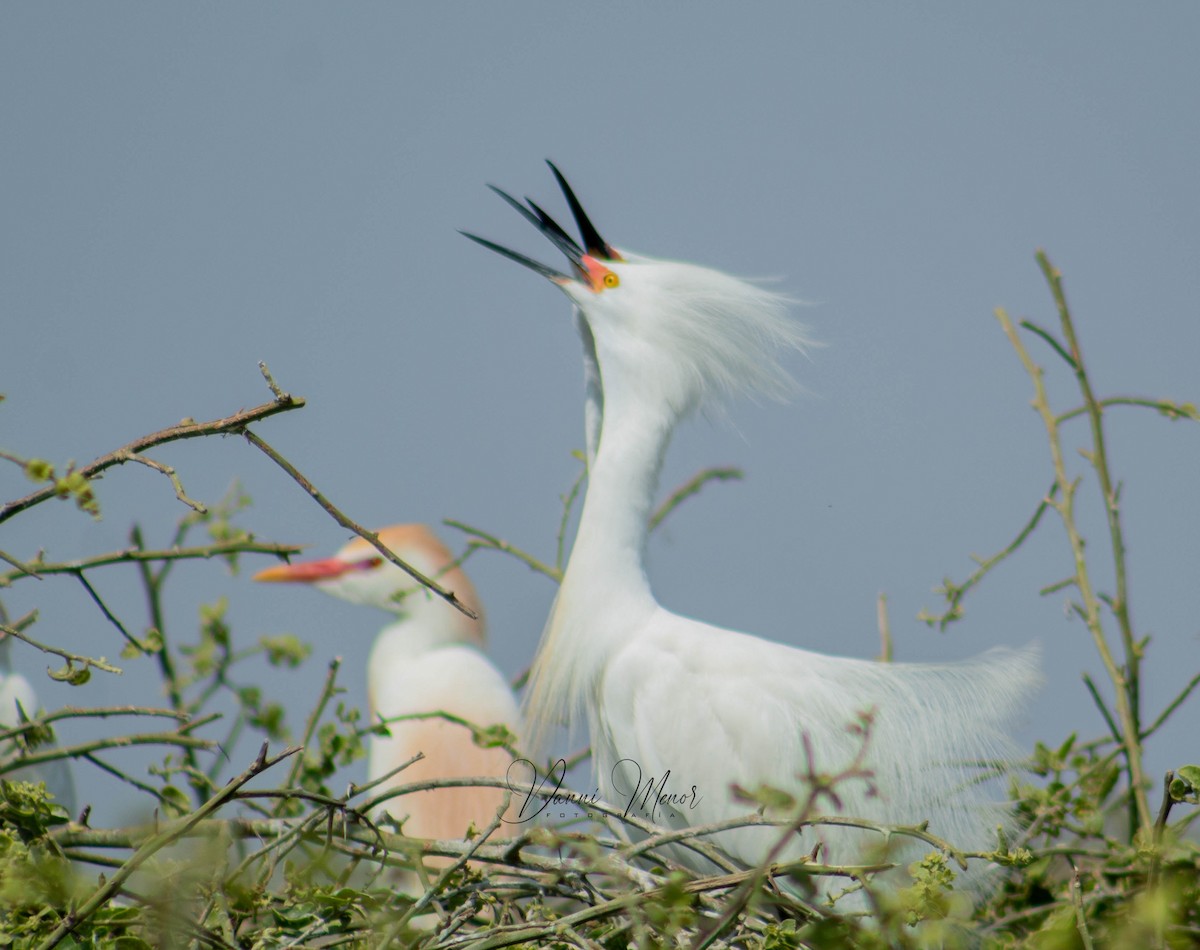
(679, 333)
(360, 574)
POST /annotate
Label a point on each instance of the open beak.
(306, 572)
(594, 246)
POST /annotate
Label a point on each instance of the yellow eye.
(611, 280)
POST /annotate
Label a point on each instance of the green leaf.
(176, 799)
(39, 470)
(250, 696)
(75, 675)
(126, 942)
(1185, 786)
(30, 809)
(495, 736)
(1190, 774)
(270, 719)
(767, 797)
(285, 650)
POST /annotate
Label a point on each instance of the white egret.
(17, 698)
(429, 660)
(666, 695)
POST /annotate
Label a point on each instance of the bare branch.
(370, 536)
(185, 430)
(132, 555)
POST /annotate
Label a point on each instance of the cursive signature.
(646, 797)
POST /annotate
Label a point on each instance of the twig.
(1168, 408)
(185, 430)
(1100, 704)
(1048, 337)
(491, 542)
(71, 658)
(279, 394)
(1160, 825)
(152, 584)
(124, 777)
(447, 872)
(502, 938)
(314, 718)
(482, 540)
(168, 471)
(115, 742)
(1171, 707)
(1128, 681)
(369, 536)
(1080, 916)
(1064, 506)
(954, 593)
(112, 618)
(478, 733)
(818, 786)
(692, 487)
(22, 568)
(885, 629)
(138, 554)
(356, 790)
(568, 503)
(101, 712)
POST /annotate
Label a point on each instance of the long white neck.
(593, 403)
(609, 550)
(605, 595)
(428, 625)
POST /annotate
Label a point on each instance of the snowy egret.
(429, 660)
(16, 698)
(664, 695)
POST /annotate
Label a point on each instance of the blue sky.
(188, 190)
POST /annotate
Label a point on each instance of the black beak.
(595, 245)
(549, 273)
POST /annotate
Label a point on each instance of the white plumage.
(717, 707)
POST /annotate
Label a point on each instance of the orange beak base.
(594, 272)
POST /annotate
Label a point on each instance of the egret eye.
(611, 280)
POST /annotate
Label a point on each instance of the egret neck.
(605, 596)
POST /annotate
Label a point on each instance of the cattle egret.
(670, 700)
(429, 660)
(17, 699)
